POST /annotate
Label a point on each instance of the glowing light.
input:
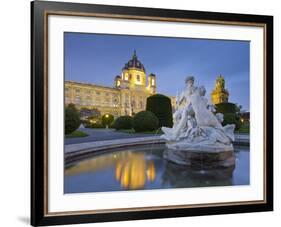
(133, 171)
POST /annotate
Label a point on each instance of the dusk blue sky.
(95, 58)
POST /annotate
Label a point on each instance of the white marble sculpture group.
(196, 127)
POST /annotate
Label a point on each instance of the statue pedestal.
(206, 159)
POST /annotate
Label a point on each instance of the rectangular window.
(77, 100)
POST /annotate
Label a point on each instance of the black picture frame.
(39, 95)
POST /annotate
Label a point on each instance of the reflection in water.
(143, 168)
(133, 171)
(176, 176)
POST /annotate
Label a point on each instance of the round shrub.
(107, 119)
(161, 106)
(72, 119)
(123, 122)
(232, 118)
(145, 121)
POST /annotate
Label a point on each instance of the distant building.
(127, 96)
(220, 93)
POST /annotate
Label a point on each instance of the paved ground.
(103, 134)
(111, 134)
(74, 151)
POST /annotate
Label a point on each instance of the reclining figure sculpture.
(196, 127)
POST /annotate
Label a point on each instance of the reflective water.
(143, 167)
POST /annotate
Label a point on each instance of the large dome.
(134, 63)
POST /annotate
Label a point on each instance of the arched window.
(138, 77)
(133, 104)
(141, 104)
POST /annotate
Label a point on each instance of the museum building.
(127, 96)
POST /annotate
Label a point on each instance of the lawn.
(245, 128)
(76, 134)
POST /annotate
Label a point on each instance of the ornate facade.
(220, 93)
(126, 97)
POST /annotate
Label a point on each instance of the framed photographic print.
(142, 113)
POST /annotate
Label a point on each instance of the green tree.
(231, 113)
(232, 118)
(107, 119)
(226, 108)
(161, 106)
(72, 119)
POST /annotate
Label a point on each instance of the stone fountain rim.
(75, 150)
(203, 149)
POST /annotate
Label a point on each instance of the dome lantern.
(134, 63)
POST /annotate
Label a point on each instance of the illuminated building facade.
(127, 96)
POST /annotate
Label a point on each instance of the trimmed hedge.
(161, 106)
(72, 119)
(123, 122)
(227, 107)
(230, 113)
(107, 119)
(145, 121)
(232, 118)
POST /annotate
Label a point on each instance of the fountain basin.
(144, 167)
(221, 158)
